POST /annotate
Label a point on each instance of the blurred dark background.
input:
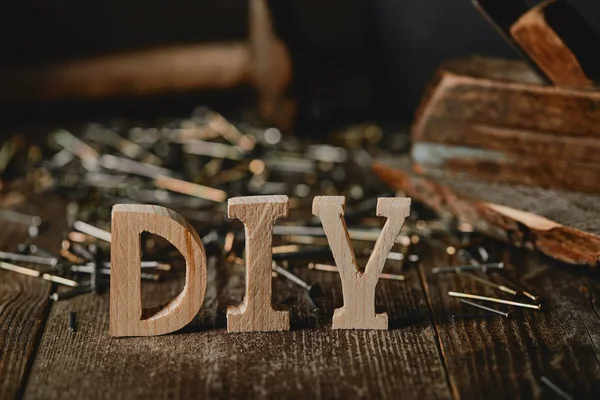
(352, 59)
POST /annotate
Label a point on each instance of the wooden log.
(126, 314)
(562, 225)
(358, 286)
(561, 43)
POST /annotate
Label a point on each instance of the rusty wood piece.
(561, 225)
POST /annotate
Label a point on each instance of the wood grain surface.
(489, 358)
(562, 225)
(311, 361)
(24, 302)
(424, 354)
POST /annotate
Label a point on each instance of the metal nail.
(333, 268)
(33, 222)
(191, 189)
(51, 261)
(92, 230)
(70, 293)
(492, 310)
(485, 256)
(556, 389)
(520, 289)
(212, 149)
(72, 258)
(88, 155)
(229, 240)
(458, 268)
(60, 280)
(473, 316)
(144, 265)
(39, 251)
(488, 283)
(286, 249)
(20, 270)
(133, 167)
(494, 300)
(73, 321)
(304, 254)
(312, 289)
(81, 251)
(89, 269)
(369, 235)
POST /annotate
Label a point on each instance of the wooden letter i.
(255, 313)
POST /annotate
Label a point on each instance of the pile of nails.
(476, 267)
(192, 166)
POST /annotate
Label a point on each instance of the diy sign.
(255, 313)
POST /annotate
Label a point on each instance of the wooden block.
(561, 43)
(561, 225)
(126, 316)
(256, 313)
(358, 287)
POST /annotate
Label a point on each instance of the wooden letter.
(128, 222)
(255, 313)
(358, 287)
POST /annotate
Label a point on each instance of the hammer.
(262, 62)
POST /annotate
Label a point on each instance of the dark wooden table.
(425, 353)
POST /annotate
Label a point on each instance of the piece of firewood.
(561, 43)
(492, 120)
(358, 287)
(126, 314)
(256, 313)
(562, 225)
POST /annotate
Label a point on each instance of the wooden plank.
(562, 225)
(311, 361)
(500, 358)
(557, 172)
(23, 305)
